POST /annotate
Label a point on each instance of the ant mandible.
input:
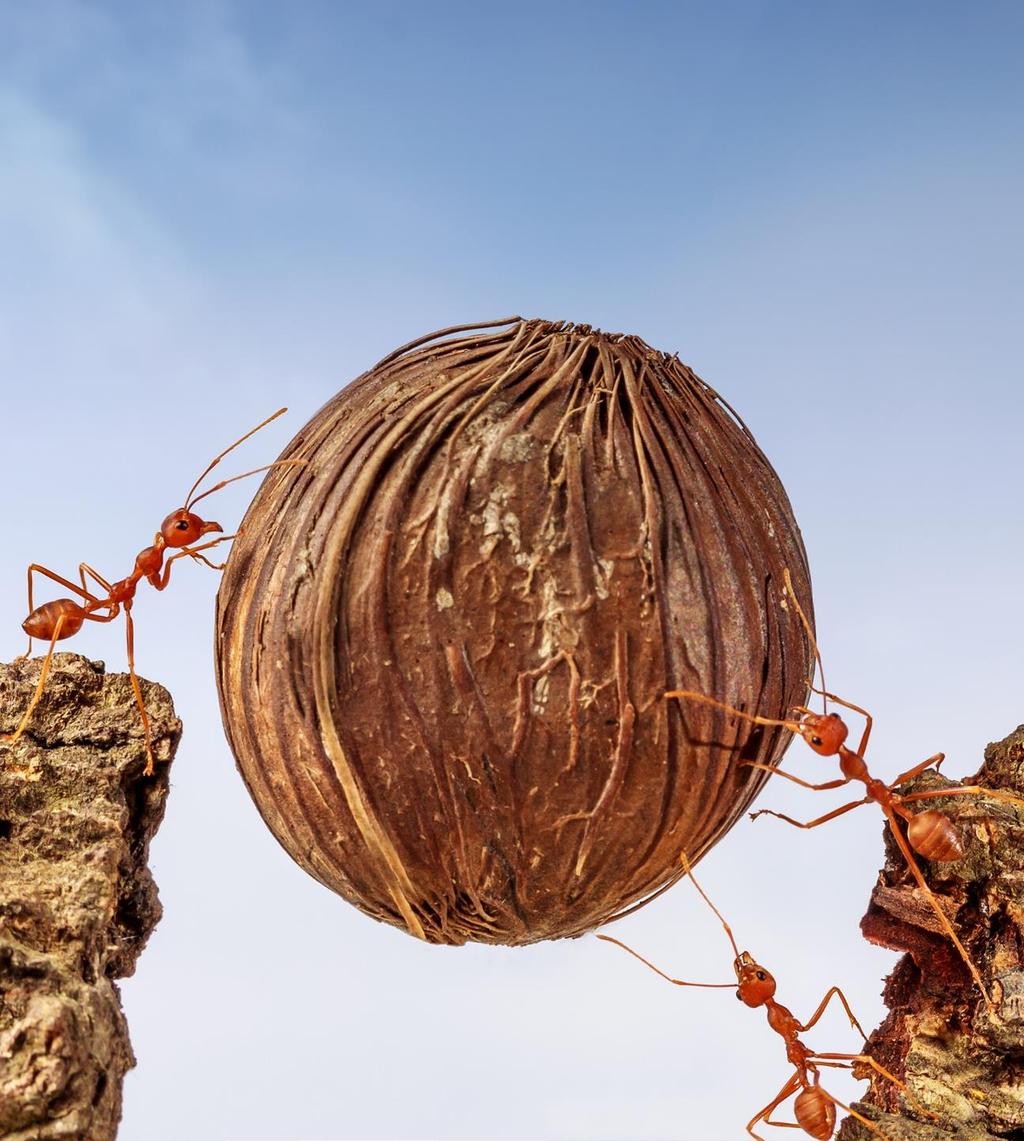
(930, 833)
(814, 1107)
(64, 617)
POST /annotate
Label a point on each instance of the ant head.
(182, 527)
(756, 985)
(824, 732)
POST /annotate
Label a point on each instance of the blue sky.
(210, 210)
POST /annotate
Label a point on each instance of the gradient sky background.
(209, 210)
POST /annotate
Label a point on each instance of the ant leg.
(813, 1061)
(44, 672)
(31, 607)
(130, 627)
(917, 770)
(834, 992)
(36, 568)
(213, 566)
(848, 1060)
(943, 919)
(853, 1113)
(205, 546)
(781, 1124)
(193, 552)
(84, 569)
(791, 1086)
(784, 1124)
(658, 970)
(829, 784)
(12, 738)
(963, 790)
(160, 581)
(812, 823)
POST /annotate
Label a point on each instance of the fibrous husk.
(444, 641)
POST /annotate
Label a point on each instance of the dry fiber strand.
(77, 901)
(443, 642)
(964, 1063)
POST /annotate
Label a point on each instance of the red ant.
(64, 617)
(814, 1107)
(930, 833)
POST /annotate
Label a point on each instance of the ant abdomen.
(931, 833)
(42, 622)
(816, 1112)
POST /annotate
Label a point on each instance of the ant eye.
(182, 525)
(760, 975)
(815, 740)
(739, 996)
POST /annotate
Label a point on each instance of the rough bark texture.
(77, 901)
(963, 1062)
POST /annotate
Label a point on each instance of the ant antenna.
(244, 475)
(216, 460)
(788, 587)
(659, 971)
(684, 860)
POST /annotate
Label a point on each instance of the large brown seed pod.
(443, 641)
